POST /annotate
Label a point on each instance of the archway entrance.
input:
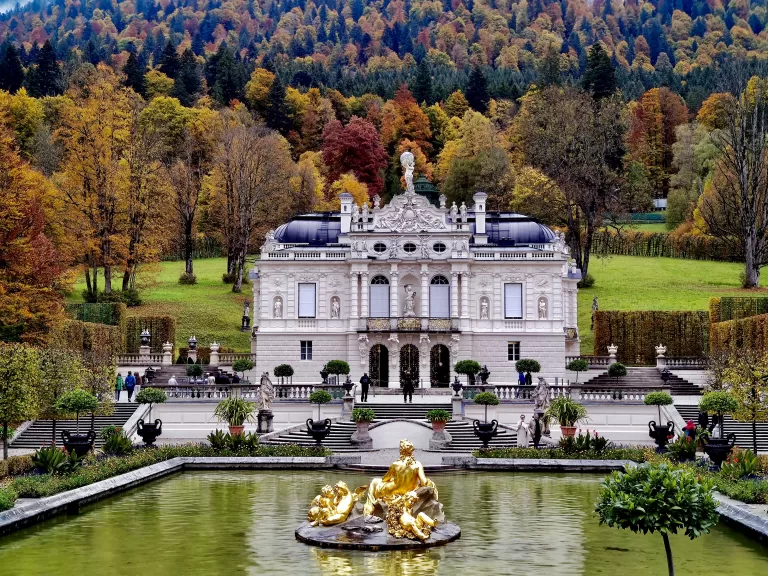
(378, 365)
(409, 365)
(440, 366)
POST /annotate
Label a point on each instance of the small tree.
(746, 375)
(720, 403)
(486, 399)
(617, 370)
(77, 402)
(468, 368)
(337, 367)
(527, 366)
(195, 370)
(241, 365)
(61, 371)
(658, 399)
(283, 371)
(657, 498)
(320, 397)
(578, 365)
(20, 380)
(151, 396)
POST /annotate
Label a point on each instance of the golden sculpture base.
(356, 534)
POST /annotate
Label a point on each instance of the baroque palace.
(404, 291)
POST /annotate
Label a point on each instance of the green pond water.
(234, 523)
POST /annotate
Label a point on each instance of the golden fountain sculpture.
(404, 498)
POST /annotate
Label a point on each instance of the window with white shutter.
(379, 297)
(439, 298)
(513, 300)
(307, 300)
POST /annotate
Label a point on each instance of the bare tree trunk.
(668, 550)
(189, 246)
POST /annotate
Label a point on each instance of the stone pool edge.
(738, 515)
(33, 512)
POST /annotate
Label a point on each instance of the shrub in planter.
(320, 397)
(658, 399)
(486, 399)
(578, 365)
(235, 412)
(151, 430)
(469, 368)
(283, 371)
(440, 415)
(567, 412)
(617, 370)
(151, 396)
(194, 370)
(337, 367)
(363, 415)
(319, 429)
(661, 499)
(242, 365)
(77, 402)
(526, 365)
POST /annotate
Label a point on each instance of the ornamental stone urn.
(80, 444)
(149, 431)
(718, 449)
(661, 434)
(486, 431)
(318, 429)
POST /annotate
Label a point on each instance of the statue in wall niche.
(278, 308)
(484, 310)
(335, 308)
(409, 309)
(542, 309)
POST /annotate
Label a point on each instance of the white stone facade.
(427, 286)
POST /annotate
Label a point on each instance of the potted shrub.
(567, 412)
(235, 412)
(659, 433)
(617, 370)
(76, 402)
(485, 430)
(657, 498)
(363, 418)
(316, 428)
(282, 372)
(469, 368)
(719, 403)
(336, 367)
(150, 431)
(242, 365)
(438, 417)
(194, 370)
(578, 365)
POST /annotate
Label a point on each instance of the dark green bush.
(187, 279)
(7, 499)
(633, 453)
(337, 367)
(363, 415)
(116, 443)
(527, 365)
(195, 370)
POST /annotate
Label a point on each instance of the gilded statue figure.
(401, 522)
(333, 505)
(405, 475)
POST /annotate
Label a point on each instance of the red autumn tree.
(354, 148)
(403, 118)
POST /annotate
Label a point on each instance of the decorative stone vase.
(440, 438)
(149, 432)
(438, 426)
(661, 434)
(485, 431)
(233, 430)
(348, 385)
(80, 444)
(568, 431)
(718, 449)
(361, 438)
(318, 430)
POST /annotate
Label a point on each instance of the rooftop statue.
(409, 163)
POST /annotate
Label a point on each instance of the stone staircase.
(647, 376)
(40, 432)
(337, 440)
(743, 430)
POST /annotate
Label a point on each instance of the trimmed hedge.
(657, 244)
(112, 313)
(162, 329)
(736, 307)
(637, 333)
(750, 333)
(80, 336)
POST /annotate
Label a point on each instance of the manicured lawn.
(656, 227)
(635, 283)
(209, 309)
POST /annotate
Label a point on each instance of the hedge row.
(638, 333)
(688, 246)
(751, 333)
(80, 336)
(736, 307)
(162, 329)
(112, 313)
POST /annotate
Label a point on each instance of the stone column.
(454, 294)
(394, 309)
(465, 294)
(613, 350)
(424, 291)
(661, 357)
(353, 291)
(214, 361)
(167, 354)
(364, 295)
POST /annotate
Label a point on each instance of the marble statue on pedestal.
(409, 309)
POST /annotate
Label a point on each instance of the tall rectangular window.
(307, 300)
(439, 301)
(513, 351)
(306, 349)
(513, 300)
(379, 301)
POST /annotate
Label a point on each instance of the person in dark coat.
(408, 390)
(536, 427)
(130, 384)
(365, 382)
(703, 420)
(528, 379)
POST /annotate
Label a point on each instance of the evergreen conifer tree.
(422, 83)
(477, 90)
(134, 75)
(44, 78)
(187, 86)
(276, 114)
(11, 70)
(169, 61)
(600, 77)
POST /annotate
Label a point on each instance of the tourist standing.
(130, 384)
(118, 386)
(690, 429)
(172, 381)
(408, 391)
(528, 379)
(536, 429)
(522, 432)
(365, 382)
(139, 381)
(520, 382)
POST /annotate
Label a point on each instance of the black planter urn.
(661, 434)
(80, 444)
(348, 385)
(318, 429)
(718, 449)
(149, 432)
(485, 431)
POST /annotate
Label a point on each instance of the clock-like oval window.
(409, 247)
(379, 247)
(439, 247)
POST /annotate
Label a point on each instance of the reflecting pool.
(234, 523)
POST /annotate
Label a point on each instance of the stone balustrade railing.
(578, 392)
(192, 391)
(690, 362)
(229, 358)
(593, 361)
(139, 359)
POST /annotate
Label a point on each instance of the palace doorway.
(409, 365)
(440, 366)
(378, 365)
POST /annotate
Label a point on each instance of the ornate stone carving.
(409, 213)
(484, 309)
(542, 283)
(409, 163)
(543, 312)
(335, 308)
(278, 308)
(409, 307)
(362, 347)
(376, 202)
(454, 346)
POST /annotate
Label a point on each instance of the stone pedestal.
(440, 437)
(214, 361)
(167, 354)
(144, 353)
(457, 408)
(265, 422)
(347, 407)
(192, 355)
(360, 438)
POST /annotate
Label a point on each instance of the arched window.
(379, 297)
(439, 297)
